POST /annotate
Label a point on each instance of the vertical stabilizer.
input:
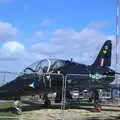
(104, 57)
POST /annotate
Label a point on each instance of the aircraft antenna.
(71, 59)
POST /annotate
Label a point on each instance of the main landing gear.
(96, 101)
(47, 102)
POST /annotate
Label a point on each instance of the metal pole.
(117, 38)
(117, 29)
(63, 97)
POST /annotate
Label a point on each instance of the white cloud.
(98, 24)
(13, 47)
(71, 36)
(12, 50)
(45, 23)
(7, 31)
(39, 35)
(14, 56)
(84, 44)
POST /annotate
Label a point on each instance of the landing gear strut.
(96, 101)
(16, 108)
(47, 102)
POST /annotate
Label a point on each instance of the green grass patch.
(5, 105)
(4, 111)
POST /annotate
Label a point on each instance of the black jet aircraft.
(46, 76)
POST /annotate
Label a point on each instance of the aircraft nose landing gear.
(16, 108)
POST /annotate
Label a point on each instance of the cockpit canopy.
(44, 66)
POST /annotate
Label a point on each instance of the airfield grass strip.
(4, 109)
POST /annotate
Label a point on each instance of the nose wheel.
(16, 108)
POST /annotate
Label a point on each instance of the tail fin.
(104, 57)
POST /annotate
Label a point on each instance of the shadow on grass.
(95, 118)
(84, 106)
(35, 106)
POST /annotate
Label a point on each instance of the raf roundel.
(32, 85)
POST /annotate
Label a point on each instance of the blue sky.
(34, 29)
(27, 15)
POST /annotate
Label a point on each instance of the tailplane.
(104, 57)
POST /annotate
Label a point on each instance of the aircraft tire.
(47, 103)
(18, 111)
(14, 110)
(98, 108)
(58, 97)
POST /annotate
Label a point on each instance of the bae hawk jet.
(46, 76)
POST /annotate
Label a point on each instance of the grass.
(4, 111)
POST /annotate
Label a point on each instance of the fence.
(7, 77)
(111, 93)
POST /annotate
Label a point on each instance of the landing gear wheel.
(96, 101)
(15, 110)
(98, 108)
(47, 103)
(58, 97)
(18, 111)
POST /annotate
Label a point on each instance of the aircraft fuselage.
(78, 77)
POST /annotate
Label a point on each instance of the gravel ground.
(86, 113)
